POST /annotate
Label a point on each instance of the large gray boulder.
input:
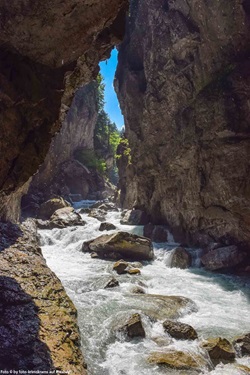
(223, 257)
(62, 218)
(180, 258)
(120, 245)
(49, 207)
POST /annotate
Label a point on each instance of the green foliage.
(90, 160)
(124, 149)
(106, 139)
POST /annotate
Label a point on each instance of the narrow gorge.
(125, 250)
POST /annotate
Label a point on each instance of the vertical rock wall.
(59, 168)
(47, 50)
(183, 82)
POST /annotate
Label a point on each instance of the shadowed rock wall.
(47, 50)
(183, 82)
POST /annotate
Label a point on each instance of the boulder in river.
(120, 245)
(135, 217)
(179, 330)
(223, 257)
(97, 214)
(120, 267)
(49, 207)
(137, 290)
(159, 307)
(177, 360)
(180, 258)
(219, 350)
(133, 327)
(62, 218)
(133, 271)
(243, 343)
(107, 226)
(157, 233)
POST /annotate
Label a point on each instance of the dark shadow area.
(228, 281)
(20, 346)
(9, 233)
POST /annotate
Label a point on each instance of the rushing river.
(223, 302)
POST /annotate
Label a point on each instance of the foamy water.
(223, 302)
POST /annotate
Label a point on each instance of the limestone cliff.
(183, 82)
(61, 174)
(47, 50)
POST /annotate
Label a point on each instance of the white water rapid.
(223, 302)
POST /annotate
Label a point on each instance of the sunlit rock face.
(183, 81)
(47, 50)
(77, 131)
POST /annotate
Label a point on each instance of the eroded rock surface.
(120, 244)
(38, 324)
(48, 49)
(183, 83)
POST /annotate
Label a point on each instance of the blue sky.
(108, 68)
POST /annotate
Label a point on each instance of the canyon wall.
(47, 50)
(61, 174)
(183, 82)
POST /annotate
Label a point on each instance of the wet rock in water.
(135, 217)
(219, 350)
(243, 343)
(159, 307)
(62, 218)
(162, 340)
(136, 264)
(105, 282)
(177, 360)
(120, 245)
(180, 330)
(133, 271)
(106, 226)
(94, 256)
(108, 207)
(98, 214)
(156, 233)
(137, 290)
(120, 267)
(133, 327)
(223, 257)
(49, 207)
(180, 258)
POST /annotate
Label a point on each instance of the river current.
(223, 302)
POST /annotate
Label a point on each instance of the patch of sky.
(107, 70)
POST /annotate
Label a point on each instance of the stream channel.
(222, 302)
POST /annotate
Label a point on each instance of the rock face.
(133, 327)
(183, 82)
(49, 207)
(156, 233)
(134, 217)
(120, 245)
(48, 50)
(177, 360)
(38, 326)
(180, 258)
(243, 343)
(180, 330)
(60, 173)
(62, 218)
(223, 257)
(219, 350)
